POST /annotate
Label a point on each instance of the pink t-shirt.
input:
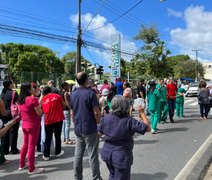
(28, 114)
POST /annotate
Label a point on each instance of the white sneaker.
(20, 169)
(37, 171)
(59, 155)
(45, 158)
(153, 131)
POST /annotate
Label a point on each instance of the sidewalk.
(208, 175)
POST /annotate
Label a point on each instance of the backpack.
(15, 111)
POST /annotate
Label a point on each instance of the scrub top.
(180, 98)
(162, 92)
(119, 139)
(154, 97)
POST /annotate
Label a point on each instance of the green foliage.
(69, 60)
(30, 58)
(154, 53)
(183, 66)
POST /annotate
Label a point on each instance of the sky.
(184, 25)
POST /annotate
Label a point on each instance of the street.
(156, 157)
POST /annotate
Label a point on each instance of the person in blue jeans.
(86, 115)
(67, 121)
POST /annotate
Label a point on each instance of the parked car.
(193, 89)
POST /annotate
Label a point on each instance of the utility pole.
(79, 39)
(197, 51)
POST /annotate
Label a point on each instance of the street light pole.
(197, 51)
(79, 39)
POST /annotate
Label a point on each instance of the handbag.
(14, 107)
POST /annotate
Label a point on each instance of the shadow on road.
(173, 130)
(156, 176)
(145, 141)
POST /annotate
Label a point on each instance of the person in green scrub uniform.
(161, 87)
(154, 98)
(180, 102)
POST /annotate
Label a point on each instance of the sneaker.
(37, 171)
(22, 168)
(153, 131)
(60, 154)
(45, 158)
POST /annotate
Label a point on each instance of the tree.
(154, 52)
(30, 58)
(183, 66)
(69, 60)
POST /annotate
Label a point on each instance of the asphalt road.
(156, 157)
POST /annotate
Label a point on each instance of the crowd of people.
(105, 112)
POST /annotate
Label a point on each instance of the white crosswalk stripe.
(191, 102)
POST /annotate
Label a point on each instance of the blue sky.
(183, 25)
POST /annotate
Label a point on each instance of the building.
(208, 70)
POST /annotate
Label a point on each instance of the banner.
(115, 56)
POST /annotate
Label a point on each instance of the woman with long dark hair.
(112, 93)
(11, 137)
(30, 112)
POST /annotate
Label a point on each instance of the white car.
(193, 89)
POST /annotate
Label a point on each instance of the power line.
(94, 16)
(32, 34)
(133, 7)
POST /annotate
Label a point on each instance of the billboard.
(115, 56)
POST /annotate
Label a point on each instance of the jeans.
(171, 106)
(66, 125)
(30, 141)
(204, 110)
(92, 143)
(55, 128)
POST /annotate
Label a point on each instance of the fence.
(40, 77)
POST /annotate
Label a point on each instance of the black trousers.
(204, 110)
(171, 106)
(55, 128)
(10, 139)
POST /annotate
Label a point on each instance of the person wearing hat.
(163, 101)
(180, 102)
(103, 102)
(154, 98)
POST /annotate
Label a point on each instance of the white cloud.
(104, 34)
(174, 13)
(197, 33)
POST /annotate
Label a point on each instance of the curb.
(196, 168)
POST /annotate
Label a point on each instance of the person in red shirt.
(171, 89)
(52, 106)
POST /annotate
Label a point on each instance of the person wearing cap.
(154, 98)
(103, 102)
(163, 101)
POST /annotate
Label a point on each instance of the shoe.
(45, 158)
(163, 122)
(153, 131)
(15, 151)
(37, 171)
(22, 168)
(171, 120)
(60, 154)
